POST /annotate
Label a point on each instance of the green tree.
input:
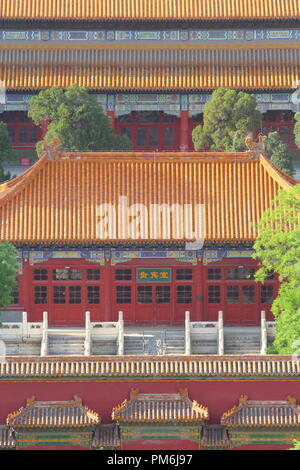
(228, 118)
(9, 267)
(296, 445)
(6, 151)
(278, 153)
(278, 248)
(77, 119)
(297, 129)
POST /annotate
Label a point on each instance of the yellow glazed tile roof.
(106, 435)
(91, 198)
(151, 67)
(162, 407)
(149, 9)
(263, 413)
(7, 440)
(53, 414)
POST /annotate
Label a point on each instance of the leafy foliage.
(296, 445)
(297, 129)
(6, 150)
(228, 117)
(278, 248)
(4, 176)
(77, 119)
(278, 153)
(8, 270)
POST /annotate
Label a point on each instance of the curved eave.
(12, 187)
(285, 181)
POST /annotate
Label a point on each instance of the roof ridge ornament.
(243, 400)
(134, 392)
(30, 400)
(52, 148)
(255, 149)
(291, 400)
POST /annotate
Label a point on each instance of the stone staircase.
(66, 341)
(104, 347)
(175, 341)
(154, 341)
(24, 348)
(204, 345)
(239, 341)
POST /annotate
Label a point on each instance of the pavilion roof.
(214, 436)
(7, 440)
(75, 198)
(151, 67)
(106, 435)
(53, 414)
(251, 413)
(135, 10)
(159, 408)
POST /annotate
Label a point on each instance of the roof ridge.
(286, 181)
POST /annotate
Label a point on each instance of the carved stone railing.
(97, 331)
(21, 331)
(209, 328)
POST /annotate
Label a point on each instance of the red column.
(184, 130)
(25, 289)
(111, 114)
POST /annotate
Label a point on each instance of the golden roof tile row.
(113, 367)
(149, 10)
(75, 198)
(150, 67)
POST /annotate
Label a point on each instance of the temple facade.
(138, 267)
(152, 69)
(150, 235)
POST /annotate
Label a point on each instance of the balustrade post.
(220, 334)
(187, 334)
(87, 342)
(121, 335)
(44, 343)
(263, 334)
(25, 332)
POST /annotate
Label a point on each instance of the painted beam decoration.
(159, 36)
